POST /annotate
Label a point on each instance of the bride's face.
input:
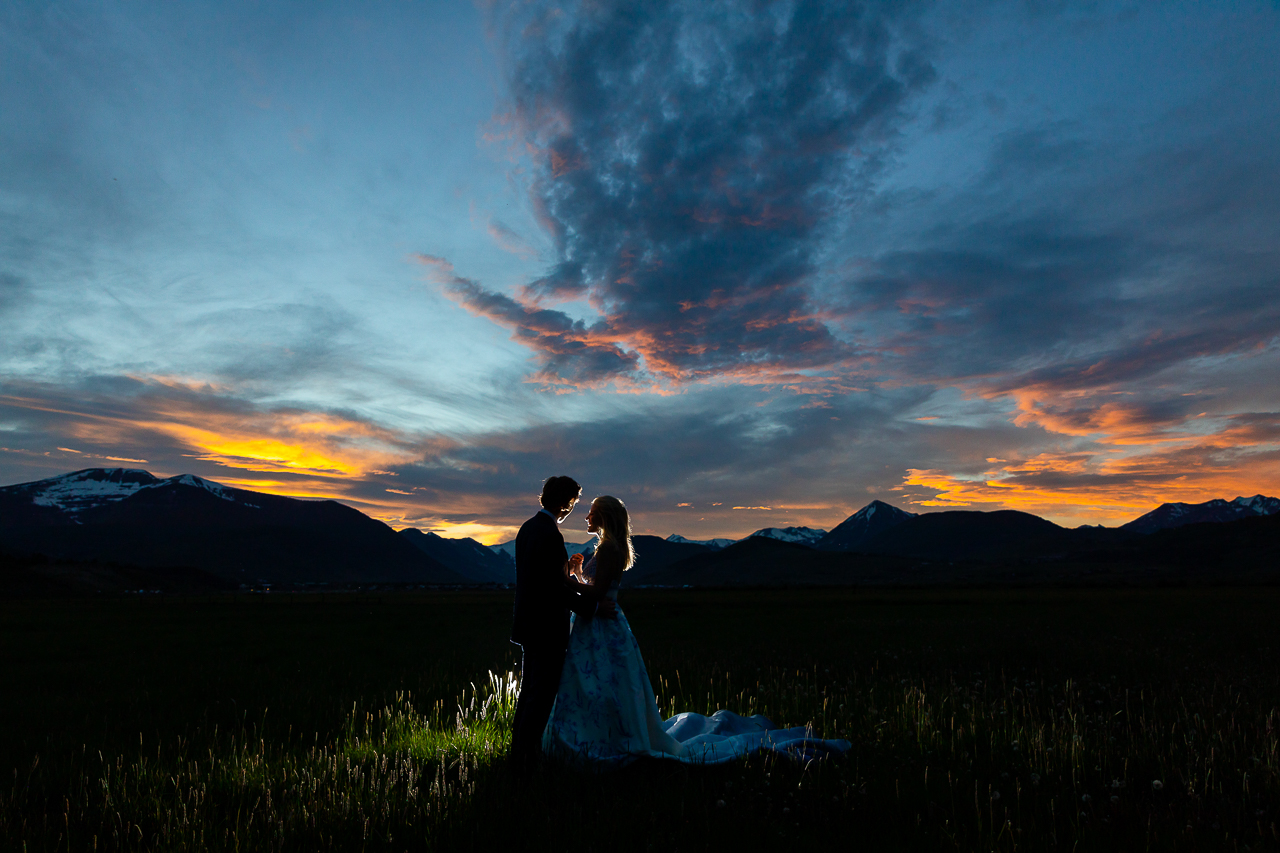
(591, 519)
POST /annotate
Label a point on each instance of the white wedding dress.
(606, 711)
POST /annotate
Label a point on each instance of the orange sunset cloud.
(1131, 465)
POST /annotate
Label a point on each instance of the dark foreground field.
(980, 720)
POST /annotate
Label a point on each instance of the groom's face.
(564, 513)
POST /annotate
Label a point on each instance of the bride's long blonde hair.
(615, 526)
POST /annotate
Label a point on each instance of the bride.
(606, 711)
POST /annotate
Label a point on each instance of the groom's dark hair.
(558, 491)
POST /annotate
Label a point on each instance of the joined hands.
(606, 608)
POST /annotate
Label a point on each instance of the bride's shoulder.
(609, 552)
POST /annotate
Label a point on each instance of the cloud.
(686, 158)
(712, 450)
(13, 291)
(1239, 458)
(569, 350)
(508, 240)
(483, 484)
(182, 425)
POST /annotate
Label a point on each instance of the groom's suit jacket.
(543, 597)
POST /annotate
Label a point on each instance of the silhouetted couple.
(584, 689)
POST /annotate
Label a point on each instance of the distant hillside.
(1167, 516)
(856, 531)
(754, 561)
(654, 554)
(1244, 550)
(132, 517)
(465, 557)
(965, 535)
(1020, 550)
(507, 550)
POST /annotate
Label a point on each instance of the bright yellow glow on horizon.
(288, 443)
(485, 534)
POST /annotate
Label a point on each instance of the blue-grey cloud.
(1074, 264)
(688, 158)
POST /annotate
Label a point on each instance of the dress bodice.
(589, 572)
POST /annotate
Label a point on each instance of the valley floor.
(1027, 719)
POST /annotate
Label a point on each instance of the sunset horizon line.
(498, 533)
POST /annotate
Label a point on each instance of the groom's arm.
(588, 601)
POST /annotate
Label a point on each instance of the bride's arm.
(573, 568)
(608, 569)
(576, 582)
(584, 587)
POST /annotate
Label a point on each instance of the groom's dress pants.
(540, 667)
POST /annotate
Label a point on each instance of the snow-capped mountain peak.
(861, 527)
(81, 490)
(94, 487)
(800, 535)
(1260, 504)
(714, 543)
(200, 483)
(870, 509)
(1217, 510)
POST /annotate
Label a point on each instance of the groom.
(543, 602)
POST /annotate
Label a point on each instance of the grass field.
(980, 720)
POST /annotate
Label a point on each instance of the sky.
(739, 264)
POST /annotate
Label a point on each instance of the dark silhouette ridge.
(118, 529)
(1172, 515)
(654, 554)
(967, 535)
(241, 536)
(1006, 550)
(857, 530)
(464, 557)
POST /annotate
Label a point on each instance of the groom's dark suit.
(541, 627)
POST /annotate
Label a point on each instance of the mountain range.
(464, 557)
(188, 533)
(997, 548)
(799, 535)
(133, 518)
(1168, 516)
(713, 543)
